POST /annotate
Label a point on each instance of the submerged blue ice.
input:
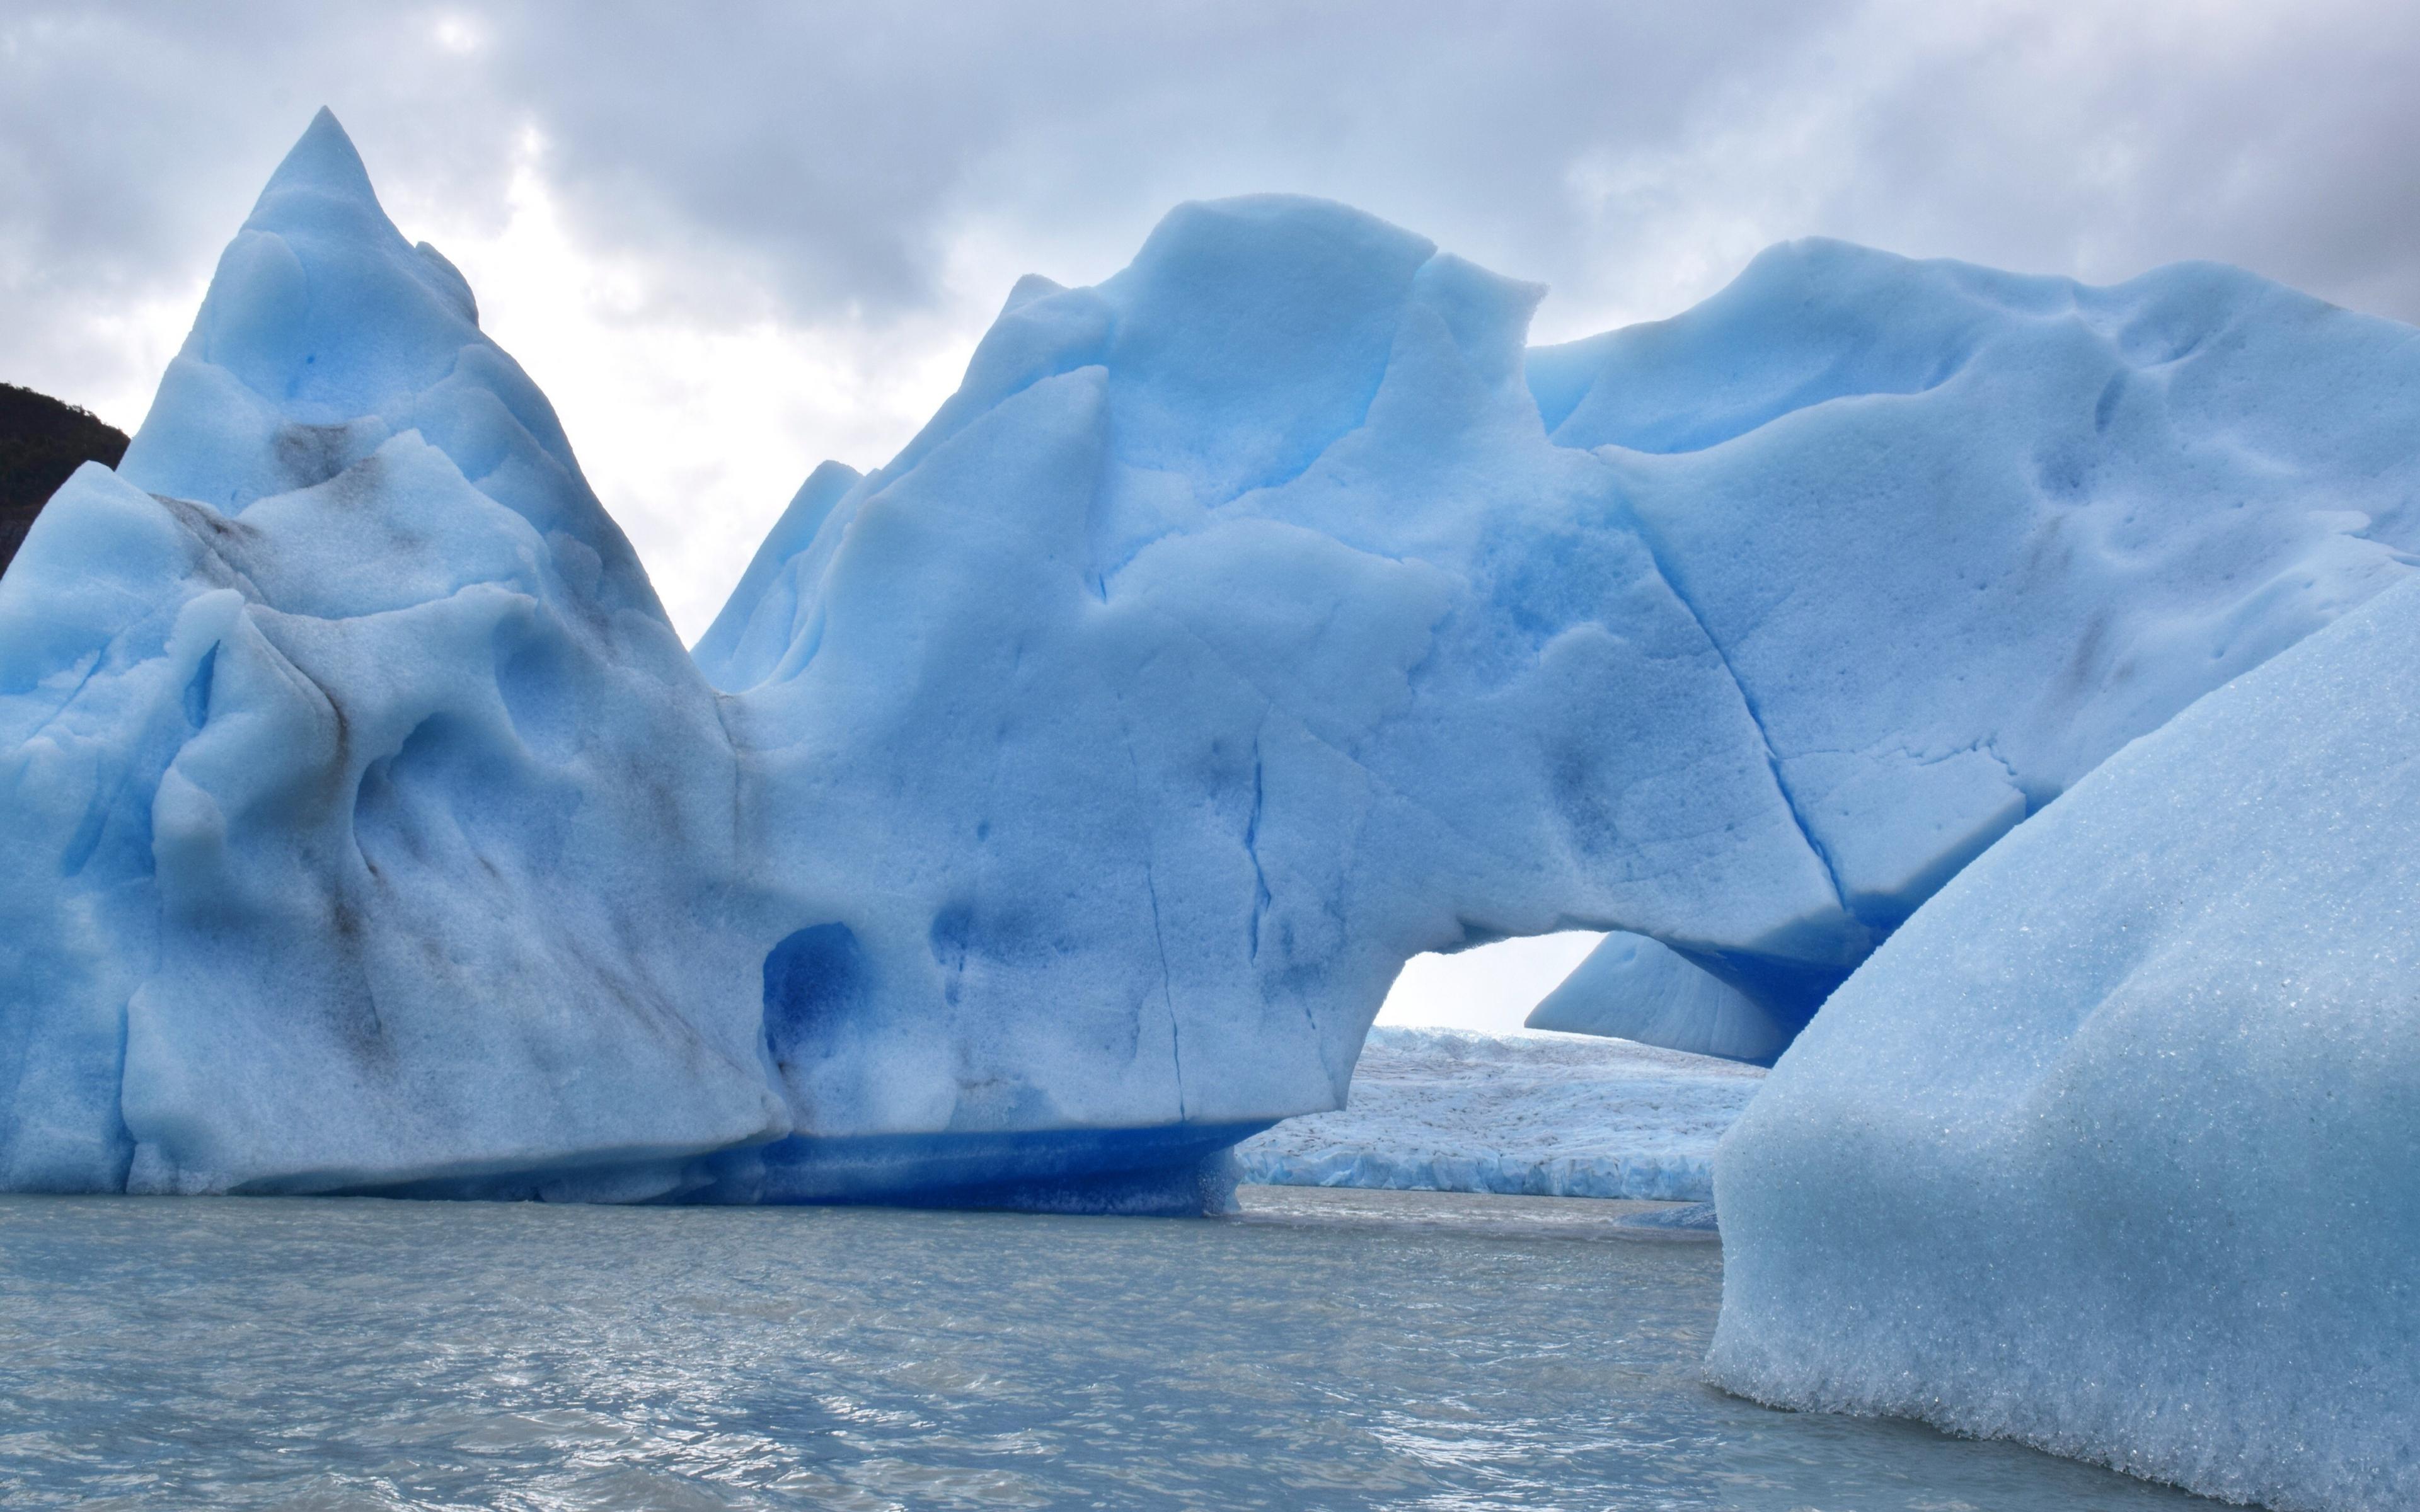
(1052, 806)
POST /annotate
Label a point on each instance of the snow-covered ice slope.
(1541, 1114)
(2115, 1148)
(365, 821)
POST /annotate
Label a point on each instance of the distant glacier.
(1521, 1115)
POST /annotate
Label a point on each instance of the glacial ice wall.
(1053, 806)
(2111, 1149)
(1944, 539)
(1532, 1115)
(1963, 534)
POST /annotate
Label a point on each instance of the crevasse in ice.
(1052, 806)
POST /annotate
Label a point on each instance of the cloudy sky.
(731, 241)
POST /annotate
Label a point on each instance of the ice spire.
(323, 160)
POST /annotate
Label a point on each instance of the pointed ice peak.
(765, 612)
(324, 160)
(324, 335)
(1030, 287)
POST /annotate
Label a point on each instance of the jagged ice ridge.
(1052, 806)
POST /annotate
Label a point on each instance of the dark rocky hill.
(41, 442)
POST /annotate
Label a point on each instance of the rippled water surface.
(1329, 1350)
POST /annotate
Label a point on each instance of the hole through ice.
(1489, 988)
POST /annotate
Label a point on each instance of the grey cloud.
(2115, 139)
(818, 163)
(835, 150)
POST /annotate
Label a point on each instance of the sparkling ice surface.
(2113, 1147)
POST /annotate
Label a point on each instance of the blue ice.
(1052, 805)
(2111, 1147)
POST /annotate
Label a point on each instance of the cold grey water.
(1328, 1350)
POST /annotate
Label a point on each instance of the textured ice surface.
(365, 820)
(762, 621)
(2113, 1147)
(1633, 988)
(1237, 631)
(1961, 533)
(1233, 635)
(1078, 782)
(1532, 1114)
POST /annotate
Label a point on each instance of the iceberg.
(368, 822)
(1233, 636)
(1525, 1115)
(1960, 535)
(1050, 807)
(2111, 1147)
(1631, 987)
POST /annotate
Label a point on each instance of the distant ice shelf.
(1529, 1113)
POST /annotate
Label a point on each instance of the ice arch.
(1056, 802)
(1488, 988)
(1267, 615)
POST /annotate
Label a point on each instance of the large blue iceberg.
(367, 823)
(1052, 806)
(2115, 1147)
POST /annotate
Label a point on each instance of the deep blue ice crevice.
(812, 980)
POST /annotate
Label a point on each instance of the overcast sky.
(729, 241)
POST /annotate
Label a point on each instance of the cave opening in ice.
(1489, 988)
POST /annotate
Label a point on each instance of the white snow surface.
(1526, 1114)
(2115, 1148)
(1053, 804)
